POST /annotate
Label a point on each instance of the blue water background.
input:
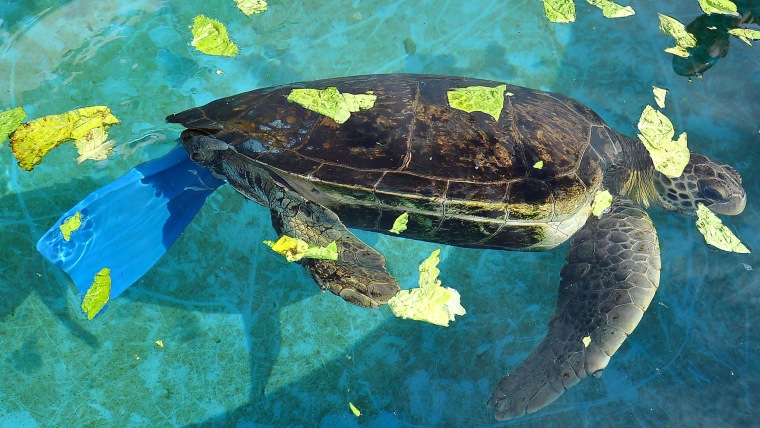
(249, 340)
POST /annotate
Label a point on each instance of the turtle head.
(714, 184)
(205, 150)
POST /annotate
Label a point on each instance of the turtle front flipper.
(358, 276)
(612, 273)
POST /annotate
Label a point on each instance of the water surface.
(249, 340)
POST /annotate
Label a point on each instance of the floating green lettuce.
(430, 302)
(716, 233)
(70, 225)
(602, 201)
(295, 249)
(331, 103)
(354, 409)
(659, 96)
(669, 157)
(98, 294)
(478, 98)
(94, 145)
(674, 28)
(724, 7)
(611, 9)
(210, 37)
(400, 224)
(559, 10)
(743, 33)
(249, 7)
(10, 120)
(34, 139)
(538, 165)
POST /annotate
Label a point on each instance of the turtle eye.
(712, 193)
(197, 157)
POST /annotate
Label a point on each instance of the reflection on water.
(713, 38)
(249, 339)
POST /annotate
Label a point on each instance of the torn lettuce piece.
(331, 103)
(745, 34)
(399, 225)
(586, 341)
(602, 201)
(249, 7)
(478, 98)
(611, 9)
(430, 302)
(10, 120)
(295, 249)
(659, 96)
(210, 37)
(723, 7)
(559, 10)
(716, 233)
(34, 139)
(669, 157)
(354, 409)
(94, 145)
(538, 165)
(675, 29)
(71, 225)
(98, 294)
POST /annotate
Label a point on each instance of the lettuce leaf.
(430, 302)
(295, 249)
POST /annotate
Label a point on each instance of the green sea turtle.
(520, 177)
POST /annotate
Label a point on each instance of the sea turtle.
(522, 177)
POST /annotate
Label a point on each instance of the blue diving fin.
(129, 224)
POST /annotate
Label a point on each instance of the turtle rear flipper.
(358, 276)
(612, 273)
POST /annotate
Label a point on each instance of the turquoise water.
(249, 340)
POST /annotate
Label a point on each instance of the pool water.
(249, 340)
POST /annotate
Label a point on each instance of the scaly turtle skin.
(470, 180)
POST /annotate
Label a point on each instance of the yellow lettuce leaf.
(249, 7)
(354, 409)
(98, 294)
(331, 103)
(10, 120)
(430, 302)
(478, 98)
(71, 225)
(716, 233)
(399, 225)
(210, 37)
(669, 157)
(745, 34)
(295, 249)
(724, 7)
(34, 139)
(559, 10)
(602, 201)
(94, 145)
(674, 28)
(659, 96)
(611, 9)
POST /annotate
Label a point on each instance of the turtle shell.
(524, 181)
